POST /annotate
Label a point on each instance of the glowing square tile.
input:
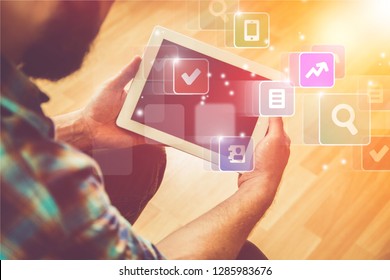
(376, 156)
(342, 121)
(251, 30)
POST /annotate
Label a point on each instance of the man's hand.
(99, 116)
(271, 157)
(221, 232)
(94, 127)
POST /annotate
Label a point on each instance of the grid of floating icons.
(325, 118)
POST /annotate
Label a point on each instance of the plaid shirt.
(53, 203)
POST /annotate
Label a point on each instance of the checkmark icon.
(190, 76)
(378, 156)
(190, 79)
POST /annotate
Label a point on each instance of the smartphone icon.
(251, 30)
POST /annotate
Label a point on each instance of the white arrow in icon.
(322, 66)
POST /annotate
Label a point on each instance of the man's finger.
(276, 126)
(126, 74)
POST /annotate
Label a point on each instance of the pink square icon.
(316, 69)
(191, 76)
(339, 57)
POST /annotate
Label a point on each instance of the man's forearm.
(221, 232)
(70, 128)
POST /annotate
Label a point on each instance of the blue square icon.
(236, 154)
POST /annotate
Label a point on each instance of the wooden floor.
(326, 208)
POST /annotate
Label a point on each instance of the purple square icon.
(236, 154)
(316, 69)
(277, 98)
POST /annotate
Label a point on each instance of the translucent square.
(311, 119)
(342, 121)
(211, 120)
(114, 161)
(191, 76)
(168, 118)
(236, 154)
(251, 30)
(192, 7)
(316, 70)
(229, 31)
(213, 14)
(376, 156)
(276, 98)
(378, 89)
(293, 68)
(293, 126)
(339, 57)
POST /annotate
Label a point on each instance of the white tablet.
(186, 93)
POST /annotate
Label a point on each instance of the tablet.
(187, 93)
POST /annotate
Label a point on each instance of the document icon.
(376, 94)
(277, 99)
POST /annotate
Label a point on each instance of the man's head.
(49, 39)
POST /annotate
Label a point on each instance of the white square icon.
(277, 98)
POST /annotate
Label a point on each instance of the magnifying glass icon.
(221, 11)
(348, 123)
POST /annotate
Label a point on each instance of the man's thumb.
(276, 126)
(126, 74)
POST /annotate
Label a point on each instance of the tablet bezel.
(159, 34)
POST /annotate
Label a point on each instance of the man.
(53, 200)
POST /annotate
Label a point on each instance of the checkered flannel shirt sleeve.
(53, 202)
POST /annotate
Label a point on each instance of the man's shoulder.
(46, 187)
